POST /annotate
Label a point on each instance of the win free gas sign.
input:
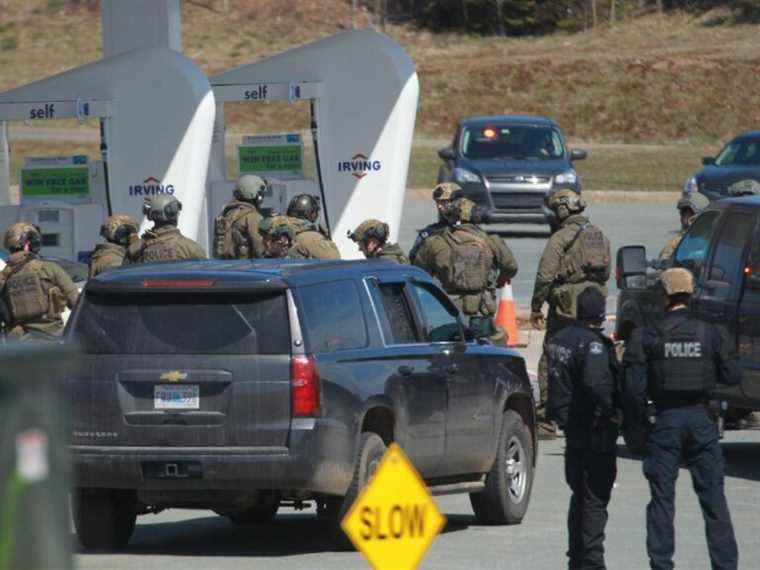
(55, 182)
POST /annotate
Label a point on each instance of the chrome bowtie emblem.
(174, 376)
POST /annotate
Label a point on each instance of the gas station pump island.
(163, 130)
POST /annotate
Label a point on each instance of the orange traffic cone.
(506, 315)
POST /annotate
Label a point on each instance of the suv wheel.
(371, 450)
(104, 518)
(508, 484)
(262, 513)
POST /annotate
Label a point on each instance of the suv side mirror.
(631, 267)
(578, 154)
(446, 153)
(708, 160)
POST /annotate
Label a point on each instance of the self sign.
(46, 112)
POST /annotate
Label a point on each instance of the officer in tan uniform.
(163, 242)
(470, 265)
(278, 238)
(35, 292)
(688, 209)
(576, 256)
(236, 229)
(372, 238)
(117, 231)
(443, 196)
(311, 238)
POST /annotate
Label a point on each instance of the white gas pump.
(157, 113)
(363, 91)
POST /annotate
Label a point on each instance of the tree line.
(527, 17)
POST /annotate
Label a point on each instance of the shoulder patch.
(596, 348)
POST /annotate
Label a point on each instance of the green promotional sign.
(64, 181)
(275, 158)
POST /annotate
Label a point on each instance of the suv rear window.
(188, 323)
(333, 316)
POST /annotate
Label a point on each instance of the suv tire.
(505, 499)
(371, 450)
(104, 518)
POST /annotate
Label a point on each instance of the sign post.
(394, 520)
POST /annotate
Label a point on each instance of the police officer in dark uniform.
(583, 400)
(677, 364)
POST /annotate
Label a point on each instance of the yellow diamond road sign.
(394, 519)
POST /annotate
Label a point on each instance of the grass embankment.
(675, 87)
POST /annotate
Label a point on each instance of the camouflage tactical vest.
(470, 262)
(224, 228)
(588, 256)
(24, 292)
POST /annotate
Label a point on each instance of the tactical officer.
(163, 242)
(577, 255)
(372, 239)
(689, 208)
(35, 292)
(278, 237)
(583, 401)
(677, 364)
(470, 265)
(443, 197)
(117, 231)
(311, 238)
(236, 229)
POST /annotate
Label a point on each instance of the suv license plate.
(185, 397)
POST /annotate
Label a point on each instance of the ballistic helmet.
(370, 229)
(566, 202)
(677, 280)
(118, 228)
(445, 191)
(251, 188)
(304, 206)
(162, 209)
(465, 210)
(21, 233)
(695, 202)
(276, 226)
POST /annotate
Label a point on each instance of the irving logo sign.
(150, 187)
(359, 166)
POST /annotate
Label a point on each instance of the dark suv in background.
(735, 169)
(722, 250)
(510, 164)
(241, 386)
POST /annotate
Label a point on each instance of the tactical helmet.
(304, 206)
(695, 202)
(276, 226)
(677, 280)
(118, 228)
(465, 210)
(162, 209)
(21, 233)
(566, 202)
(592, 306)
(445, 191)
(370, 229)
(251, 188)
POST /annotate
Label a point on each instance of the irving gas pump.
(363, 90)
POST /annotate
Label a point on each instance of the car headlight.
(464, 175)
(690, 186)
(567, 177)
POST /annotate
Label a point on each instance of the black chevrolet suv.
(722, 250)
(241, 386)
(510, 164)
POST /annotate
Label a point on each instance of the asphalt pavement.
(188, 540)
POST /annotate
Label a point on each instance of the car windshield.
(740, 152)
(516, 142)
(186, 323)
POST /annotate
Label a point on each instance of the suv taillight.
(304, 386)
